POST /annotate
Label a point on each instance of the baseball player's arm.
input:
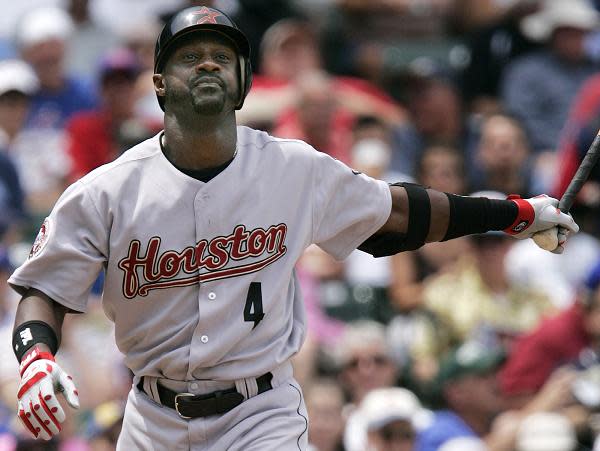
(420, 215)
(37, 306)
(36, 339)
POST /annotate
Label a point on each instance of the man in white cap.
(17, 84)
(388, 419)
(546, 431)
(542, 102)
(41, 38)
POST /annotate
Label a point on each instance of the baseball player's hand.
(539, 217)
(39, 409)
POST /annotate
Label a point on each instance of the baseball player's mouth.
(207, 81)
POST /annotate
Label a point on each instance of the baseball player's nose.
(207, 65)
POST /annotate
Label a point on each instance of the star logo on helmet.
(207, 15)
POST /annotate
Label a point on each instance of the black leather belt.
(188, 405)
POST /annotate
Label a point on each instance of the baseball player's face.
(202, 71)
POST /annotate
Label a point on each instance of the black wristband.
(29, 334)
(469, 215)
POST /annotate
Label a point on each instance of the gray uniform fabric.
(181, 256)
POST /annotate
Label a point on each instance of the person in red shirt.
(289, 49)
(96, 137)
(557, 341)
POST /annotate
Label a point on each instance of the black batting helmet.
(200, 18)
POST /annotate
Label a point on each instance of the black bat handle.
(583, 172)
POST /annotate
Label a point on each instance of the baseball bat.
(548, 239)
(583, 172)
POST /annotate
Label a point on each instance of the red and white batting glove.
(39, 409)
(539, 214)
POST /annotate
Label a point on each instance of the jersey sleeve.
(68, 253)
(348, 206)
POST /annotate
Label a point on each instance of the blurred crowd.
(479, 343)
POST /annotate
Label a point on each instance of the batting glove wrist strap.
(525, 215)
(30, 357)
(30, 333)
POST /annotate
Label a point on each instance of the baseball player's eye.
(223, 58)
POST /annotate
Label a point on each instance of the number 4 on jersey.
(253, 310)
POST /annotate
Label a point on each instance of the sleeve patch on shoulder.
(41, 239)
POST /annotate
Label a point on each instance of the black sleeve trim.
(419, 215)
(419, 220)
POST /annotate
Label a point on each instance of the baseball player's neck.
(209, 143)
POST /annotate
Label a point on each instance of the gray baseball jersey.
(200, 276)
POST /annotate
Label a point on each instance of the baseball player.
(198, 230)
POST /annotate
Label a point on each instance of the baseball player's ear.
(159, 84)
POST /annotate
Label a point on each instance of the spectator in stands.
(556, 341)
(93, 136)
(388, 419)
(140, 38)
(256, 17)
(542, 103)
(472, 405)
(288, 50)
(324, 402)
(88, 43)
(363, 357)
(104, 426)
(501, 160)
(11, 199)
(371, 151)
(317, 117)
(436, 114)
(549, 431)
(494, 39)
(466, 385)
(17, 84)
(40, 151)
(42, 36)
(443, 167)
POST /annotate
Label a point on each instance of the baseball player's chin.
(209, 104)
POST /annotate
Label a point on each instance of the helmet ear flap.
(245, 80)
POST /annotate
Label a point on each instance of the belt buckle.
(182, 395)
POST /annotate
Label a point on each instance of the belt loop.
(149, 384)
(248, 387)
